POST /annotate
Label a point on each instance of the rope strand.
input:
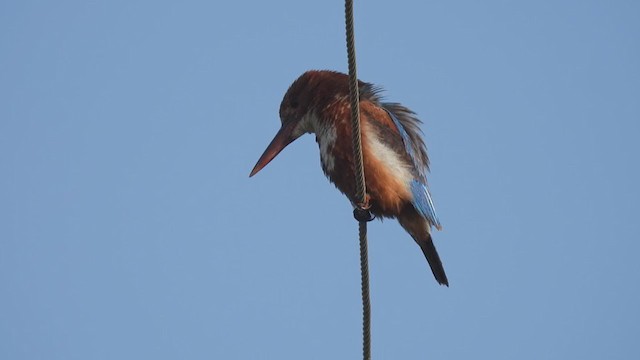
(361, 212)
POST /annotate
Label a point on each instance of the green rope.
(362, 205)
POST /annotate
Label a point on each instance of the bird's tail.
(418, 228)
(430, 252)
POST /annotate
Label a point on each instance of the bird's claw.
(362, 212)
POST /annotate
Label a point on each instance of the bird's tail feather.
(430, 252)
(418, 228)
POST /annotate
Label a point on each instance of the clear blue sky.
(129, 228)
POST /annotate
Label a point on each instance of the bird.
(395, 157)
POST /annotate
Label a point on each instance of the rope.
(366, 304)
(361, 188)
(361, 211)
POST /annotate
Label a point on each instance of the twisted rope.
(361, 188)
(364, 280)
(361, 212)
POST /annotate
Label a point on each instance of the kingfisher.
(394, 153)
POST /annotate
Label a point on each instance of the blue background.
(129, 228)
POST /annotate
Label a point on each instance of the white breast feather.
(390, 159)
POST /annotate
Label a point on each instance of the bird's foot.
(362, 212)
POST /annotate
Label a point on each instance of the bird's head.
(307, 94)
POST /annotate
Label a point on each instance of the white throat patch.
(325, 136)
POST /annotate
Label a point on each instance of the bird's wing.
(408, 128)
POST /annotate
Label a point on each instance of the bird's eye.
(294, 104)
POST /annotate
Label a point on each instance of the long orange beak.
(279, 142)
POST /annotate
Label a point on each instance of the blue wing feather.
(423, 203)
(403, 133)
